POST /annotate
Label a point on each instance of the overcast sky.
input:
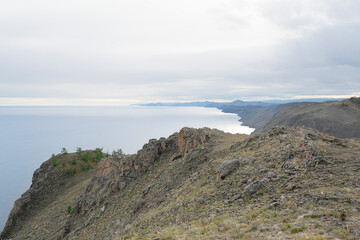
(130, 51)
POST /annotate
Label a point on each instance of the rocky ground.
(287, 183)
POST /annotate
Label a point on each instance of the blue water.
(29, 135)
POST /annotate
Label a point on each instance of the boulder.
(227, 167)
(255, 186)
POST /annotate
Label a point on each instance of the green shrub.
(54, 163)
(69, 209)
(286, 220)
(314, 216)
(297, 230)
(78, 150)
(73, 162)
(99, 154)
(355, 100)
(118, 152)
(72, 171)
(86, 168)
(64, 151)
(85, 157)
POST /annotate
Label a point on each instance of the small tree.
(118, 152)
(78, 150)
(99, 154)
(54, 162)
(85, 157)
(64, 151)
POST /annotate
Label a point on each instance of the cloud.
(170, 50)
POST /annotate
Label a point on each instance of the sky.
(114, 52)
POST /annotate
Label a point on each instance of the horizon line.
(77, 102)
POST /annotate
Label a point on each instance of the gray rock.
(255, 186)
(283, 137)
(271, 175)
(250, 180)
(227, 167)
(175, 156)
(264, 170)
(236, 197)
(274, 204)
(122, 185)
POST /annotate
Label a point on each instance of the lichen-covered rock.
(227, 167)
(255, 186)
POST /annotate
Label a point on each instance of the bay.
(29, 135)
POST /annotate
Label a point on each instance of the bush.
(355, 100)
(86, 168)
(99, 154)
(69, 209)
(72, 171)
(54, 162)
(118, 152)
(78, 150)
(297, 230)
(85, 157)
(64, 151)
(73, 162)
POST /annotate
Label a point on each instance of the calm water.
(29, 135)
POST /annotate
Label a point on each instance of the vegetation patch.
(297, 230)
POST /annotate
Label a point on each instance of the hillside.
(287, 183)
(257, 115)
(54, 187)
(341, 119)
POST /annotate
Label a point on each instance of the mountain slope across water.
(341, 119)
(286, 183)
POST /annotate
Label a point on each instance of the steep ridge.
(287, 183)
(341, 119)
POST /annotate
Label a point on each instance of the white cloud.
(178, 50)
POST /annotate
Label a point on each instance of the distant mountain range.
(220, 105)
(337, 117)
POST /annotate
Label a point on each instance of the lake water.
(29, 135)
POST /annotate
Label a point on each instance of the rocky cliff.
(287, 183)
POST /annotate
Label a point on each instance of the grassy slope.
(340, 119)
(256, 116)
(47, 214)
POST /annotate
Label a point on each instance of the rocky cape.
(286, 183)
